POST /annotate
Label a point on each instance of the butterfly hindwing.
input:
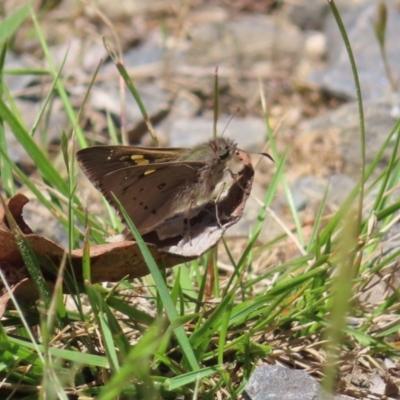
(149, 193)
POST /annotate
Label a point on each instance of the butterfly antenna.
(260, 154)
(216, 103)
(230, 119)
(263, 154)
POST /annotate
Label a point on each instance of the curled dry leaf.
(114, 261)
(109, 262)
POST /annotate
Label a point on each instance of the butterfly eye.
(224, 153)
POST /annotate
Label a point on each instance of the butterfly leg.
(216, 205)
(234, 177)
(188, 220)
(231, 173)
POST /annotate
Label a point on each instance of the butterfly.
(153, 184)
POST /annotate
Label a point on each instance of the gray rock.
(127, 8)
(15, 62)
(337, 78)
(78, 56)
(307, 14)
(150, 52)
(47, 132)
(43, 222)
(311, 14)
(245, 46)
(185, 105)
(273, 382)
(249, 133)
(144, 61)
(245, 40)
(307, 193)
(106, 98)
(310, 190)
(343, 127)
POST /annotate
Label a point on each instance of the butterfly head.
(223, 149)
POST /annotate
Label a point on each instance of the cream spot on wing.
(139, 159)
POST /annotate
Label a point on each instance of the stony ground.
(291, 52)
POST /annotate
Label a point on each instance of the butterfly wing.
(105, 159)
(149, 193)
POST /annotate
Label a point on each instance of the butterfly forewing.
(149, 193)
(99, 160)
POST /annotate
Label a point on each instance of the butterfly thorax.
(218, 151)
(214, 154)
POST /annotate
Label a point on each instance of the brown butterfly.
(153, 184)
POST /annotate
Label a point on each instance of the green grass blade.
(10, 25)
(45, 167)
(191, 377)
(60, 88)
(163, 291)
(6, 171)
